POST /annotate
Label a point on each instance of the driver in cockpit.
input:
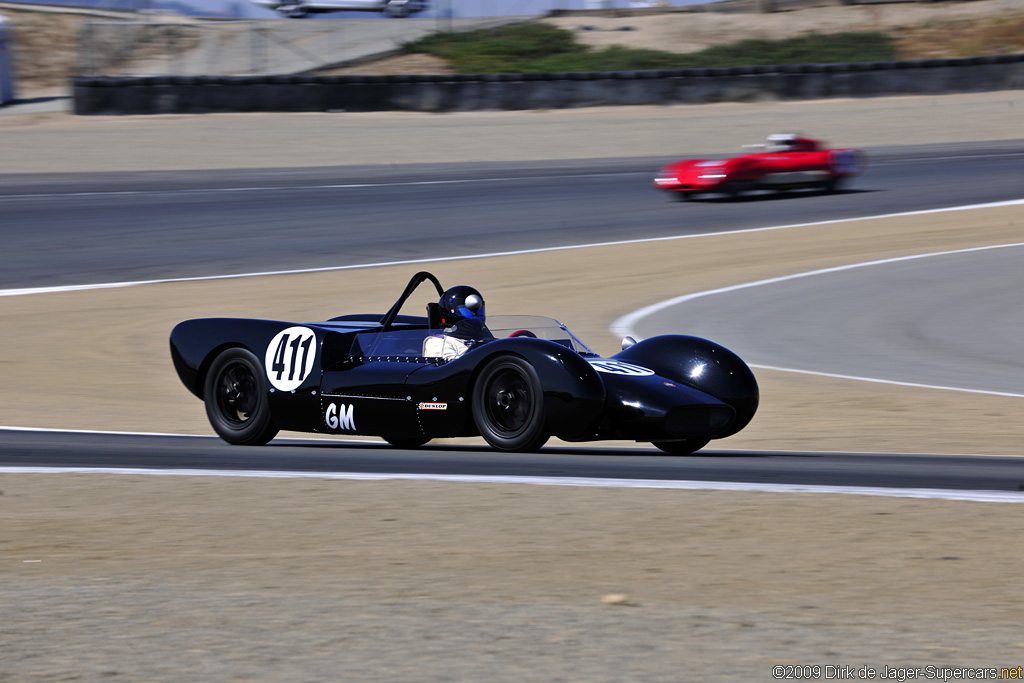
(462, 314)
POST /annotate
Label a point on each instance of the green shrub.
(501, 48)
(816, 48)
(541, 48)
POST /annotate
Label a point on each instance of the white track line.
(521, 252)
(103, 432)
(934, 494)
(624, 326)
(378, 441)
(892, 382)
(280, 188)
(408, 183)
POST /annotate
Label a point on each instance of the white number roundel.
(617, 367)
(290, 356)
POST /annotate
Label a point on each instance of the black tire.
(508, 405)
(406, 442)
(684, 447)
(831, 185)
(235, 392)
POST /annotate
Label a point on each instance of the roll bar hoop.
(416, 280)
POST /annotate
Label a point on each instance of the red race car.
(787, 161)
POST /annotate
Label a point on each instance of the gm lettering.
(341, 416)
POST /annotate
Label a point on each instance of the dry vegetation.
(963, 38)
(922, 29)
(47, 47)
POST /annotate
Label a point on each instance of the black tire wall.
(435, 93)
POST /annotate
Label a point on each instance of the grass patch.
(541, 48)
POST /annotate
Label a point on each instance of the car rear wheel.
(508, 405)
(236, 399)
(684, 447)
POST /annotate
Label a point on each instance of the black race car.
(518, 380)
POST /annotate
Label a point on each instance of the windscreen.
(403, 343)
(502, 326)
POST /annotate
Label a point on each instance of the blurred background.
(242, 9)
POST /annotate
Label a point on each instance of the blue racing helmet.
(462, 303)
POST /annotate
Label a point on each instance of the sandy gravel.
(191, 579)
(691, 32)
(183, 579)
(58, 142)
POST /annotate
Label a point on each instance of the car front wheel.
(236, 399)
(508, 405)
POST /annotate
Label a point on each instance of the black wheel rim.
(509, 402)
(237, 394)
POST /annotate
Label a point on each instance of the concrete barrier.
(435, 93)
(6, 61)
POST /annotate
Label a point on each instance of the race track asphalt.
(73, 229)
(937, 476)
(946, 319)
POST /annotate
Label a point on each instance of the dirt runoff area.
(179, 578)
(921, 29)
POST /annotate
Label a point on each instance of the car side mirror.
(627, 342)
